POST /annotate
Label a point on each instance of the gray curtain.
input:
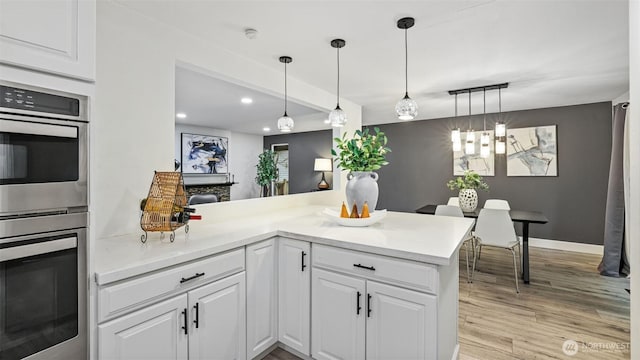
(612, 260)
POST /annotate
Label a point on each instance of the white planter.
(362, 186)
(468, 200)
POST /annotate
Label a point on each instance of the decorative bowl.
(372, 219)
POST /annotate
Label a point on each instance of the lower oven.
(43, 287)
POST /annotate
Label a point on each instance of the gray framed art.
(532, 151)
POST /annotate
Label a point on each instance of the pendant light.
(285, 123)
(485, 151)
(455, 133)
(470, 147)
(406, 108)
(501, 128)
(337, 117)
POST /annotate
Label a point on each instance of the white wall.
(242, 157)
(634, 210)
(134, 122)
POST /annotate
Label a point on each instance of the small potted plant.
(467, 185)
(361, 156)
(267, 172)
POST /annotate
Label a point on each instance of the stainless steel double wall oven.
(43, 220)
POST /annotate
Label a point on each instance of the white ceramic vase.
(362, 186)
(468, 199)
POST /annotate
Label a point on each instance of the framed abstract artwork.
(483, 166)
(204, 154)
(532, 151)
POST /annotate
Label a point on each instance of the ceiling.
(212, 102)
(552, 53)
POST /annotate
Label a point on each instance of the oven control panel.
(23, 99)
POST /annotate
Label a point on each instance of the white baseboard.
(566, 246)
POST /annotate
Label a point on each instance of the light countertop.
(418, 237)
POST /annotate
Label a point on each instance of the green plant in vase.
(467, 186)
(361, 155)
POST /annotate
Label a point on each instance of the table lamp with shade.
(323, 165)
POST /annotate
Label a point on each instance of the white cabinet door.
(401, 323)
(52, 36)
(217, 318)
(294, 276)
(338, 314)
(262, 297)
(153, 333)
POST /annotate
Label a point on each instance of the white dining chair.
(497, 204)
(453, 201)
(455, 211)
(495, 228)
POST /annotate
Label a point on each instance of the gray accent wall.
(421, 162)
(304, 148)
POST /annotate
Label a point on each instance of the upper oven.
(43, 150)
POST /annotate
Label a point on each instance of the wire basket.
(163, 209)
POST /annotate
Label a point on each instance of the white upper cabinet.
(294, 294)
(54, 36)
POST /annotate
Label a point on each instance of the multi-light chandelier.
(485, 138)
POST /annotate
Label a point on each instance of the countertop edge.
(110, 276)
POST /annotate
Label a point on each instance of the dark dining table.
(521, 216)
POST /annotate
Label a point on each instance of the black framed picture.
(204, 154)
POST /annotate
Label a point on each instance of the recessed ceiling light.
(246, 100)
(266, 129)
(181, 115)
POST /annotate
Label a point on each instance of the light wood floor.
(566, 300)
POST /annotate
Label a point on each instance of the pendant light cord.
(469, 109)
(285, 88)
(499, 104)
(406, 65)
(338, 92)
(484, 108)
(456, 105)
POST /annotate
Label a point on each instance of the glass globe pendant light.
(406, 108)
(285, 123)
(337, 116)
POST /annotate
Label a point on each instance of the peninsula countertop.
(417, 237)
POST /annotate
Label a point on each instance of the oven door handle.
(24, 251)
(34, 128)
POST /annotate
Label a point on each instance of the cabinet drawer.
(391, 270)
(114, 299)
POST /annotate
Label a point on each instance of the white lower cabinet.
(262, 297)
(151, 333)
(338, 316)
(207, 322)
(217, 320)
(294, 289)
(355, 317)
(401, 323)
